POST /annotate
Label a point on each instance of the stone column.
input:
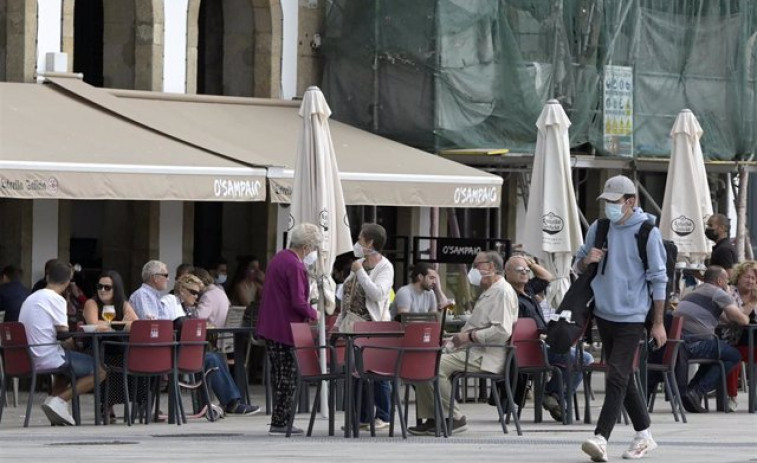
(148, 45)
(67, 32)
(308, 61)
(21, 37)
(268, 37)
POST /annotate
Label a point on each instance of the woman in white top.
(366, 294)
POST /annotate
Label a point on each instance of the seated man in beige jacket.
(490, 323)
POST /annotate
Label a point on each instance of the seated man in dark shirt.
(701, 311)
(518, 271)
(723, 253)
(12, 292)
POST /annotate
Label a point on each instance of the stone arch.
(234, 47)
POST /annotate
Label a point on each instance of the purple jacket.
(285, 298)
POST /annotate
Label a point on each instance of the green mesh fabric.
(475, 74)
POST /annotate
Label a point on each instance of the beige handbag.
(347, 324)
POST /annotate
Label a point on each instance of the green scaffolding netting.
(441, 74)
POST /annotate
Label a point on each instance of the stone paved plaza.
(707, 438)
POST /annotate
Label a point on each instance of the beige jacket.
(493, 316)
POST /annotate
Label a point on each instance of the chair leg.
(671, 395)
(498, 403)
(3, 394)
(396, 404)
(675, 394)
(75, 399)
(316, 404)
(30, 400)
(293, 412)
(510, 399)
(15, 392)
(439, 420)
(332, 405)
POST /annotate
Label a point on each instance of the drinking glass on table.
(109, 313)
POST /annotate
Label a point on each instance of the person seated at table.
(490, 323)
(110, 291)
(186, 292)
(423, 294)
(44, 316)
(247, 285)
(743, 289)
(701, 311)
(146, 299)
(518, 270)
(12, 292)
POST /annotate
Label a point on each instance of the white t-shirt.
(418, 302)
(172, 308)
(41, 313)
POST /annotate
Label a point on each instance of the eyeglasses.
(164, 275)
(104, 287)
(521, 269)
(476, 264)
(193, 292)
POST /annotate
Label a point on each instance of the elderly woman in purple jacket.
(285, 300)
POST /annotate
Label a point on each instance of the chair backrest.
(674, 334)
(235, 316)
(307, 359)
(146, 358)
(528, 350)
(191, 357)
(372, 327)
(420, 366)
(17, 360)
(411, 317)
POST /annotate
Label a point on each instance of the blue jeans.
(707, 377)
(382, 399)
(563, 359)
(221, 382)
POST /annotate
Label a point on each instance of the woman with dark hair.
(247, 284)
(110, 291)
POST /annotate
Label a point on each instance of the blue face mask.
(614, 212)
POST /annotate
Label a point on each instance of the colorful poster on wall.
(618, 110)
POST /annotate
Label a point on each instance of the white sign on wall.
(618, 110)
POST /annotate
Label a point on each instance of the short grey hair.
(151, 268)
(496, 259)
(305, 234)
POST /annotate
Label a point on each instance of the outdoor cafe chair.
(495, 378)
(309, 372)
(415, 360)
(190, 361)
(149, 354)
(668, 369)
(531, 360)
(17, 363)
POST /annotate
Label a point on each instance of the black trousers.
(619, 343)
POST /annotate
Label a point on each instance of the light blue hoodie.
(621, 292)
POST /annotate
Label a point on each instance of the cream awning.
(55, 145)
(373, 169)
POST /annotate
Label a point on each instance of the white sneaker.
(639, 448)
(378, 423)
(732, 404)
(596, 448)
(57, 412)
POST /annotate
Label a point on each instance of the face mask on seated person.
(221, 279)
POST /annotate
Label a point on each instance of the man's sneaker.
(639, 447)
(423, 428)
(596, 448)
(552, 405)
(378, 423)
(732, 404)
(282, 431)
(239, 408)
(56, 410)
(458, 426)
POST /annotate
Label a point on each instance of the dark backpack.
(671, 250)
(579, 299)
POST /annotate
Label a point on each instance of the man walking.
(622, 300)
